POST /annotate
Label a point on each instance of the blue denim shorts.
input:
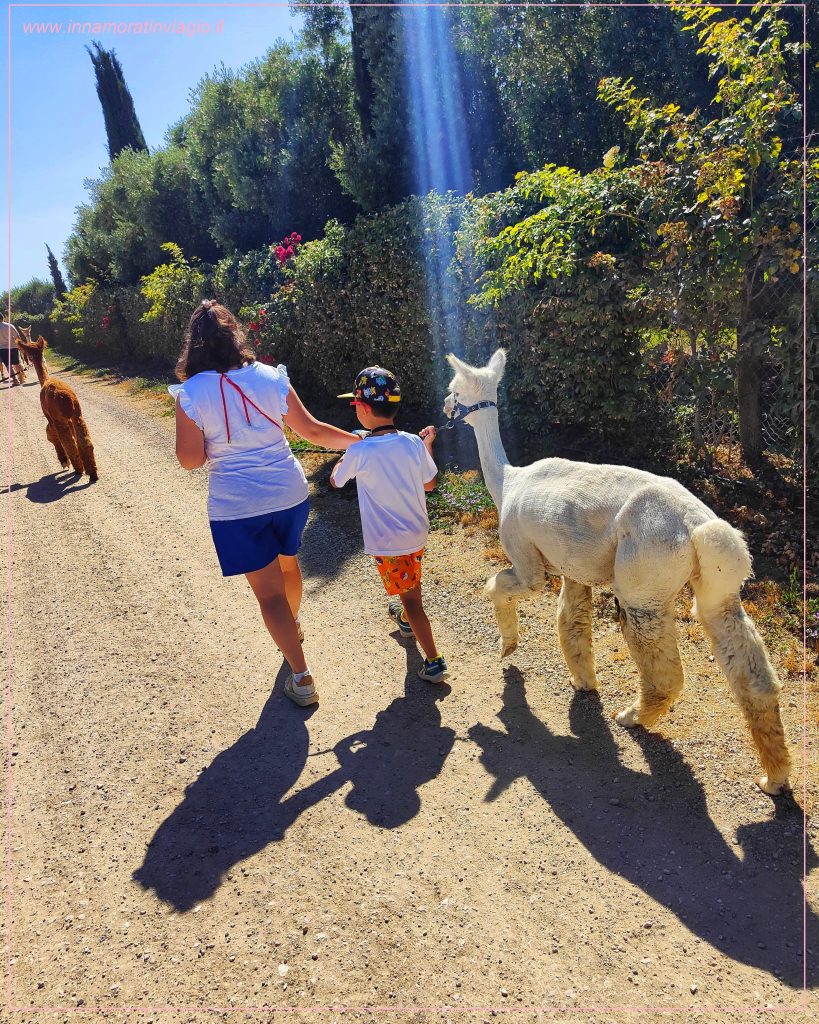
(246, 545)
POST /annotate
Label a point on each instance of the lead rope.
(224, 377)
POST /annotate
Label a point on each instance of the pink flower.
(267, 360)
(253, 327)
(106, 321)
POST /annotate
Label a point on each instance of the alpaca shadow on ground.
(654, 831)
(235, 808)
(52, 487)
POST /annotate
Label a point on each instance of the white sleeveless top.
(251, 470)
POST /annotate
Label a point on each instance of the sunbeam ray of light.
(441, 164)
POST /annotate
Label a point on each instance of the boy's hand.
(428, 434)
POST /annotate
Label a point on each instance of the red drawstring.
(245, 401)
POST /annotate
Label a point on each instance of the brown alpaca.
(66, 429)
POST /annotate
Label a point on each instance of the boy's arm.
(428, 435)
(344, 470)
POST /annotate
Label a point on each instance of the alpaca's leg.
(742, 656)
(654, 559)
(651, 635)
(574, 616)
(65, 433)
(526, 578)
(54, 438)
(86, 448)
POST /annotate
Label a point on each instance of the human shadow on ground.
(51, 488)
(405, 748)
(654, 831)
(236, 806)
(232, 810)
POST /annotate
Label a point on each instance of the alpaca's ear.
(456, 364)
(41, 342)
(497, 364)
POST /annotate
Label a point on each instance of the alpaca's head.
(26, 332)
(35, 349)
(473, 384)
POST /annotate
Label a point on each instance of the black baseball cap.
(375, 386)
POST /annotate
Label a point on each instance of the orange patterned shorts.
(400, 573)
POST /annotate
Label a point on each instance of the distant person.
(230, 415)
(10, 354)
(394, 470)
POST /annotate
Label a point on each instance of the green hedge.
(357, 297)
(581, 369)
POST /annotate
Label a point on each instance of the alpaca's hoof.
(507, 646)
(584, 684)
(773, 788)
(628, 718)
(92, 478)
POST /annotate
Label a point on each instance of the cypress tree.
(121, 123)
(378, 171)
(56, 275)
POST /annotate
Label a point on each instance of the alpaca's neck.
(490, 448)
(41, 370)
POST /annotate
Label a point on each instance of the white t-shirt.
(255, 472)
(8, 333)
(391, 470)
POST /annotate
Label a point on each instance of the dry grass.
(553, 584)
(693, 631)
(495, 553)
(796, 660)
(762, 599)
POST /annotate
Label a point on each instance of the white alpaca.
(644, 535)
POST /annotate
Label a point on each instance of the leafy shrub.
(355, 297)
(172, 290)
(239, 280)
(70, 312)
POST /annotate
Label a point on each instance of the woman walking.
(230, 414)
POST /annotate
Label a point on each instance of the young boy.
(393, 470)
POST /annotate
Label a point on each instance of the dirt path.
(184, 837)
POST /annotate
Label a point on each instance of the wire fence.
(694, 375)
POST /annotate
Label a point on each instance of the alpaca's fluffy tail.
(724, 565)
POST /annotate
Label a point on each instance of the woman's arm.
(190, 441)
(313, 430)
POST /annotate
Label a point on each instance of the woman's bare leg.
(268, 585)
(292, 581)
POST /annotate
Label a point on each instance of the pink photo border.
(457, 1008)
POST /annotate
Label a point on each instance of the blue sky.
(57, 132)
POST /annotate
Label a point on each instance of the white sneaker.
(303, 693)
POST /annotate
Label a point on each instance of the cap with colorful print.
(374, 385)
